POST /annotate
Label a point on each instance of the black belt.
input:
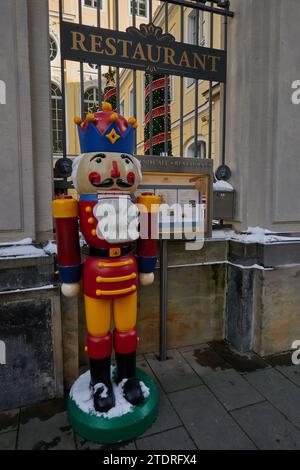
(114, 252)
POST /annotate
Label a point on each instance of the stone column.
(25, 130)
(263, 137)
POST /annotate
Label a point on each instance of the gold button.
(88, 209)
(91, 220)
(94, 232)
(98, 279)
(98, 292)
(100, 265)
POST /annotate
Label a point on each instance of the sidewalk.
(210, 398)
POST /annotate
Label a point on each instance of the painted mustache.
(109, 182)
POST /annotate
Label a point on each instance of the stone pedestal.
(30, 329)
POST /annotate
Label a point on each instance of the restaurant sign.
(145, 48)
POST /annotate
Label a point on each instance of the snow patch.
(30, 289)
(51, 248)
(253, 235)
(25, 241)
(145, 390)
(223, 186)
(23, 251)
(103, 390)
(82, 394)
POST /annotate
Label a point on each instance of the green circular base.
(119, 429)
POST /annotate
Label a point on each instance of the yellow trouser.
(98, 314)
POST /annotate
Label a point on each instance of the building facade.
(91, 88)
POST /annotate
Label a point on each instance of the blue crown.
(106, 131)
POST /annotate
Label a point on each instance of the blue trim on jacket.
(69, 274)
(146, 264)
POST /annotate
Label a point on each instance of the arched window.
(201, 150)
(91, 100)
(53, 48)
(57, 118)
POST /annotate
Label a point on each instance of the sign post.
(175, 178)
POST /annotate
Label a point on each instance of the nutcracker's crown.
(106, 131)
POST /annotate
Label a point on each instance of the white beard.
(118, 219)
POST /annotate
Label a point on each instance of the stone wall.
(25, 125)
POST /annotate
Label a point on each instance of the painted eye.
(98, 160)
(127, 161)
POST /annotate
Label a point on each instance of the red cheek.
(95, 177)
(131, 177)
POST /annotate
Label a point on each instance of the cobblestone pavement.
(210, 398)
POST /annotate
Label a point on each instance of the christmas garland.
(158, 114)
(110, 90)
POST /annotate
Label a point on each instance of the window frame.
(56, 131)
(130, 9)
(122, 107)
(190, 82)
(52, 38)
(131, 103)
(93, 7)
(86, 100)
(191, 142)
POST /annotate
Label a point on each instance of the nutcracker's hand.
(146, 279)
(70, 290)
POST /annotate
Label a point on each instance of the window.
(141, 8)
(201, 150)
(53, 48)
(91, 100)
(93, 3)
(192, 34)
(122, 108)
(57, 118)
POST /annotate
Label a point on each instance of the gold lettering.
(184, 61)
(77, 41)
(111, 45)
(125, 45)
(96, 42)
(169, 56)
(199, 60)
(214, 59)
(149, 53)
(139, 52)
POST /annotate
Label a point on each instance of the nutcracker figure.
(106, 176)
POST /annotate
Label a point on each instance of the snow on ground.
(82, 395)
(223, 186)
(253, 235)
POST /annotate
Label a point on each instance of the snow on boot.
(104, 398)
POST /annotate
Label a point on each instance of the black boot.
(126, 364)
(100, 377)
